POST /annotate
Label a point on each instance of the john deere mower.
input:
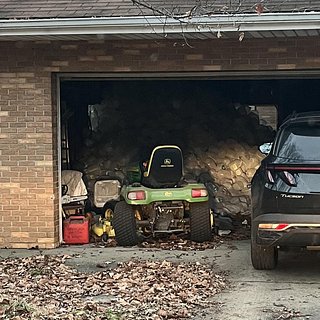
(157, 199)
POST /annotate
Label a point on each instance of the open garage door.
(106, 124)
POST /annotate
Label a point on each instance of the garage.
(218, 123)
(57, 62)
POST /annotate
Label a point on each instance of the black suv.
(286, 191)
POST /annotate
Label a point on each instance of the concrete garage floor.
(253, 295)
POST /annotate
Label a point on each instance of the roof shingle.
(32, 9)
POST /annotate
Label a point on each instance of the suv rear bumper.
(303, 230)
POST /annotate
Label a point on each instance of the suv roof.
(301, 117)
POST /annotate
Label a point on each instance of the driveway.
(291, 291)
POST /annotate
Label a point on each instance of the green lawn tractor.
(157, 199)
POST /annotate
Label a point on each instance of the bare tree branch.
(165, 12)
(189, 14)
(210, 7)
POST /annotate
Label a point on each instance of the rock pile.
(215, 135)
(232, 166)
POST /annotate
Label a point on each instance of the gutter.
(161, 25)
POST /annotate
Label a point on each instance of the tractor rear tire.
(124, 224)
(200, 224)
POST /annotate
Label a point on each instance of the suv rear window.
(300, 142)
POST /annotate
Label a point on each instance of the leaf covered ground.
(45, 287)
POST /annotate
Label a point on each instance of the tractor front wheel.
(200, 224)
(124, 224)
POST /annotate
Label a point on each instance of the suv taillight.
(273, 171)
(288, 178)
(269, 176)
(274, 226)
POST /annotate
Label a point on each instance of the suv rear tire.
(263, 257)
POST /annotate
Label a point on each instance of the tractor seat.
(165, 168)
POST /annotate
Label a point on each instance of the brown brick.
(105, 58)
(45, 240)
(20, 234)
(132, 52)
(69, 47)
(60, 63)
(29, 219)
(19, 245)
(277, 49)
(194, 57)
(86, 58)
(286, 66)
(211, 68)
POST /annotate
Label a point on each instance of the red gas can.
(76, 230)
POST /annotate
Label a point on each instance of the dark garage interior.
(170, 108)
(107, 124)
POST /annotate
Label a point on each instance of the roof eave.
(161, 25)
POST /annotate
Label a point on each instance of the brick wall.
(28, 127)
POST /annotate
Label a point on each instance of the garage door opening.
(108, 124)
